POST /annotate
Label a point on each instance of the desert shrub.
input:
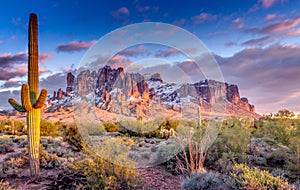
(11, 126)
(4, 185)
(204, 180)
(110, 127)
(72, 136)
(48, 160)
(230, 146)
(100, 174)
(48, 128)
(245, 177)
(168, 124)
(140, 129)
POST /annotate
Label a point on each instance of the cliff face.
(112, 88)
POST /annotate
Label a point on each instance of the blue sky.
(256, 42)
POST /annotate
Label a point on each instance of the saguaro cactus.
(31, 100)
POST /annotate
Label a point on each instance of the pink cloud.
(281, 26)
(166, 53)
(137, 50)
(203, 17)
(238, 23)
(121, 13)
(119, 61)
(75, 46)
(1, 41)
(294, 32)
(179, 22)
(44, 56)
(267, 3)
(270, 17)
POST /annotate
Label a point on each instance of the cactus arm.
(42, 99)
(25, 97)
(16, 105)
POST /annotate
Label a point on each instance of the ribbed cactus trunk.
(31, 101)
(33, 117)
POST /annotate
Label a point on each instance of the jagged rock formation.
(119, 92)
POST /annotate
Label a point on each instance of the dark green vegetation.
(261, 154)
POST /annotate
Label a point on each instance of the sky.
(256, 43)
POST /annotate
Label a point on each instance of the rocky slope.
(132, 94)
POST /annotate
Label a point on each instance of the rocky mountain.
(131, 94)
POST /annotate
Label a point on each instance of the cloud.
(54, 81)
(10, 84)
(257, 41)
(1, 41)
(230, 43)
(75, 46)
(270, 17)
(203, 17)
(179, 22)
(13, 66)
(8, 58)
(281, 26)
(44, 56)
(264, 4)
(119, 61)
(238, 23)
(267, 76)
(133, 52)
(143, 9)
(294, 32)
(167, 52)
(121, 13)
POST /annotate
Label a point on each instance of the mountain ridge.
(109, 89)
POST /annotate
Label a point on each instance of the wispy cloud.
(270, 17)
(294, 32)
(119, 61)
(133, 52)
(281, 26)
(13, 66)
(230, 43)
(264, 4)
(238, 23)
(75, 46)
(179, 22)
(203, 17)
(8, 58)
(167, 52)
(44, 56)
(272, 70)
(121, 13)
(257, 41)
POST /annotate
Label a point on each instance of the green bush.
(48, 128)
(230, 146)
(72, 136)
(245, 177)
(110, 127)
(100, 174)
(13, 126)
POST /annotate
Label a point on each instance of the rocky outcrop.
(70, 83)
(120, 92)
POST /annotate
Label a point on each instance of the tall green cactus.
(31, 100)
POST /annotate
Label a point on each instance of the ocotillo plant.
(31, 100)
(199, 118)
